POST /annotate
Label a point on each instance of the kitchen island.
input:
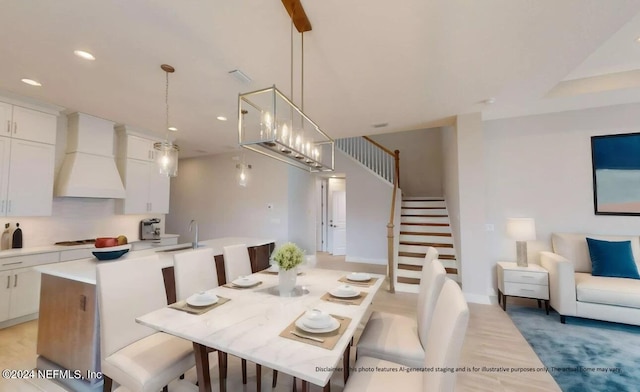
(68, 327)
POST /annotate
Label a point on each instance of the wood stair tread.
(425, 233)
(422, 208)
(434, 244)
(423, 224)
(425, 199)
(422, 255)
(416, 281)
(426, 216)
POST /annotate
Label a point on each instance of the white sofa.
(575, 292)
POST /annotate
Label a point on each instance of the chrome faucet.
(195, 239)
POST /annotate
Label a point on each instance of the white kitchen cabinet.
(20, 294)
(140, 148)
(27, 124)
(5, 294)
(26, 177)
(25, 293)
(147, 192)
(20, 285)
(27, 160)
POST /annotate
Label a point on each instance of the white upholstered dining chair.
(443, 346)
(137, 357)
(236, 261)
(400, 338)
(194, 271)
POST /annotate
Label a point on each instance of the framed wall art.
(616, 174)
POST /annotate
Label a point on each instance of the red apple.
(105, 242)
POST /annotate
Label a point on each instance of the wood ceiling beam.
(297, 14)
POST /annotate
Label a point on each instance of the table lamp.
(521, 230)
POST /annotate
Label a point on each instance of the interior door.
(338, 223)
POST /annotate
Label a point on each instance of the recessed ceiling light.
(173, 129)
(84, 55)
(490, 101)
(222, 118)
(638, 40)
(31, 82)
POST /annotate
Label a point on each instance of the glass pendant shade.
(270, 124)
(167, 158)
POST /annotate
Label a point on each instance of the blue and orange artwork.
(616, 174)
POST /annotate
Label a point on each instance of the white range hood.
(89, 167)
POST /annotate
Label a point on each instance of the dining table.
(259, 325)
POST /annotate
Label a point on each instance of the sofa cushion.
(607, 291)
(612, 258)
(573, 247)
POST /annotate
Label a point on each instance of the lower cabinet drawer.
(528, 277)
(526, 290)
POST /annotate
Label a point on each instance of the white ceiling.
(412, 64)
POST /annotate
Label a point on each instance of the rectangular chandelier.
(270, 124)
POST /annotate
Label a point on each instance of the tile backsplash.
(76, 219)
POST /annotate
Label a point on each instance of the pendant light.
(167, 151)
(269, 123)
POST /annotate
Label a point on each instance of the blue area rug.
(582, 355)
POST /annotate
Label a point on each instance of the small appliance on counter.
(149, 229)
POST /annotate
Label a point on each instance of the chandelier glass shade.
(270, 124)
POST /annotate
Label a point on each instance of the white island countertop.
(84, 270)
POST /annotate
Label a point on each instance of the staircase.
(424, 223)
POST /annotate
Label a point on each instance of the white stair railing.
(377, 158)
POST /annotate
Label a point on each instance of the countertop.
(57, 248)
(84, 270)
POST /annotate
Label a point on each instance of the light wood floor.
(492, 341)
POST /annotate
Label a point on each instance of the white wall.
(368, 207)
(420, 160)
(206, 189)
(540, 167)
(302, 209)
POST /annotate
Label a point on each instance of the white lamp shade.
(521, 229)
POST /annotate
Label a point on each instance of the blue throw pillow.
(612, 258)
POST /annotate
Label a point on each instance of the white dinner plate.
(359, 277)
(335, 324)
(244, 282)
(344, 294)
(202, 299)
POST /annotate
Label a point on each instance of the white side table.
(527, 282)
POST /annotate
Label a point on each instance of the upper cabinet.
(27, 160)
(147, 191)
(27, 124)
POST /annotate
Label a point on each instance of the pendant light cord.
(166, 101)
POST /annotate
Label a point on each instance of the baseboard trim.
(480, 299)
(18, 320)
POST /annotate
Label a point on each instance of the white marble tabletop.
(249, 325)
